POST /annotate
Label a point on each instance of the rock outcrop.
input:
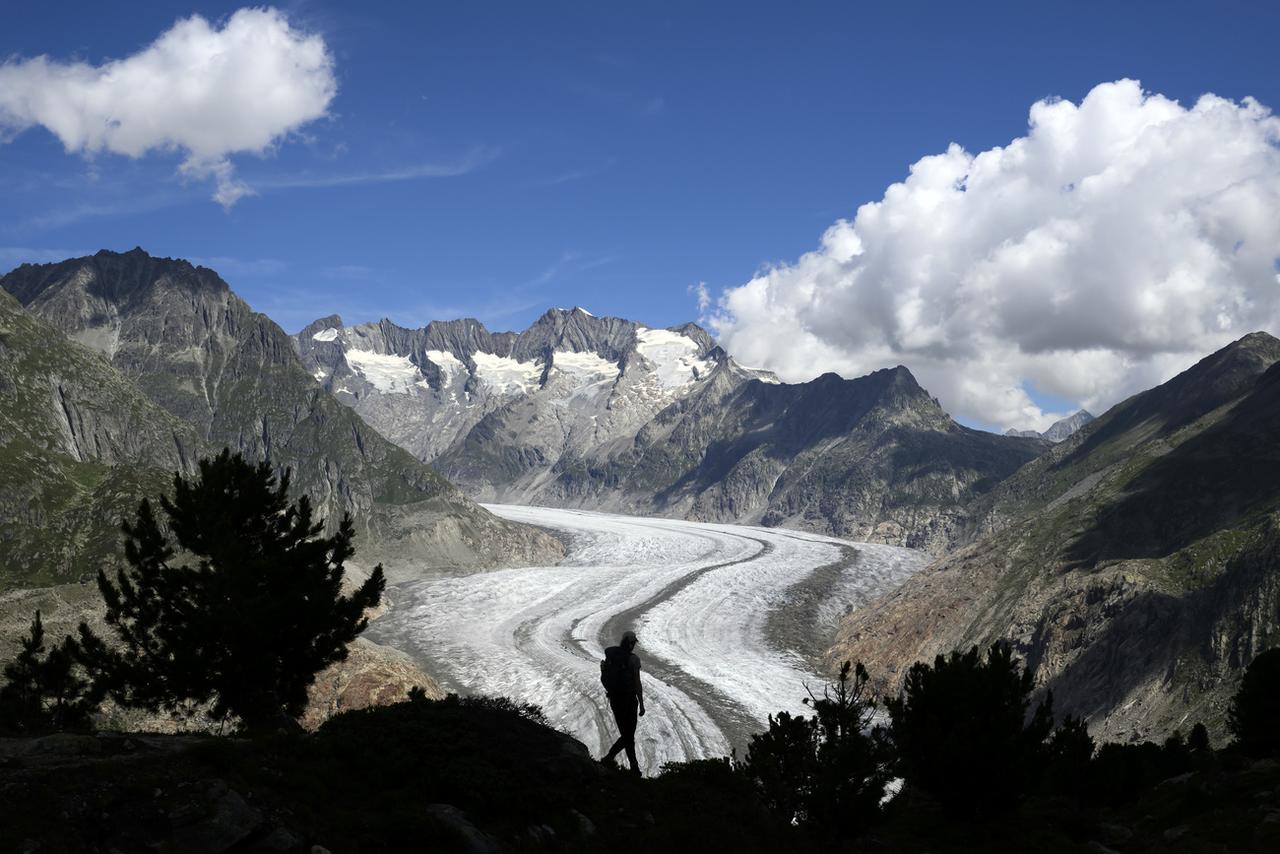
(1059, 431)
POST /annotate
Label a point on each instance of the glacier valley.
(731, 621)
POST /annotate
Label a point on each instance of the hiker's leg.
(624, 713)
(628, 727)
(619, 715)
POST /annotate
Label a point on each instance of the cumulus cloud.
(205, 91)
(1115, 244)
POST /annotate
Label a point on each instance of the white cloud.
(1115, 244)
(205, 91)
(471, 161)
(702, 295)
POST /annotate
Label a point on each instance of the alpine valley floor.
(732, 621)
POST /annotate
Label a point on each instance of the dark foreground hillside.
(486, 777)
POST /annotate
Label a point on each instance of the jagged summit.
(85, 292)
(604, 412)
(1059, 430)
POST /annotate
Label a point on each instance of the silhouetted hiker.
(620, 675)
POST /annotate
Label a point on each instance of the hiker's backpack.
(615, 671)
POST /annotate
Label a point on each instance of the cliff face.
(1135, 566)
(197, 351)
(79, 446)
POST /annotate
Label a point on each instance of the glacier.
(732, 620)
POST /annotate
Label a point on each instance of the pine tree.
(827, 771)
(1254, 715)
(962, 732)
(44, 693)
(853, 759)
(237, 604)
(20, 707)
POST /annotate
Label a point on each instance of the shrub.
(829, 770)
(962, 733)
(1254, 716)
(1068, 754)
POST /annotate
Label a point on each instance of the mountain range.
(610, 414)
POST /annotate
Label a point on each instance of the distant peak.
(1255, 340)
(135, 252)
(320, 324)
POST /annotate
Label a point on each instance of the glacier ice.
(703, 597)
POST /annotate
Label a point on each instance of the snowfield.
(731, 620)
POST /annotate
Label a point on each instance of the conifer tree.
(828, 771)
(1254, 715)
(962, 731)
(237, 601)
(20, 696)
(44, 692)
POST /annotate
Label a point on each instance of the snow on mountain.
(505, 375)
(570, 383)
(676, 358)
(387, 373)
(606, 413)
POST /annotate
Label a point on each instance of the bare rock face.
(605, 413)
(1135, 567)
(79, 443)
(372, 675)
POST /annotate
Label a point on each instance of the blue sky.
(495, 159)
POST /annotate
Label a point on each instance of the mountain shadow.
(1224, 477)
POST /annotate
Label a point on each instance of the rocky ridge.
(605, 413)
(1058, 431)
(79, 446)
(1135, 566)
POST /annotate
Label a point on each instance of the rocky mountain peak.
(1213, 381)
(320, 326)
(97, 282)
(575, 331)
(1058, 431)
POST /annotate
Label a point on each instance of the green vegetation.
(44, 692)
(247, 617)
